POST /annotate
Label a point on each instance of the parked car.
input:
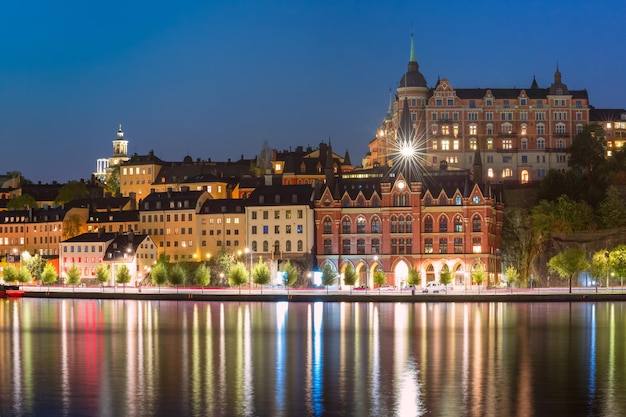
(386, 288)
(434, 287)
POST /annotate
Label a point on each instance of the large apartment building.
(521, 133)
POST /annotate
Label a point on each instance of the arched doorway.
(401, 272)
(459, 275)
(430, 273)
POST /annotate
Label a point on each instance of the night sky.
(214, 79)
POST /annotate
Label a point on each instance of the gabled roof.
(124, 244)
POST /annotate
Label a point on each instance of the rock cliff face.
(590, 242)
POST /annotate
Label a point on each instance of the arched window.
(300, 246)
(254, 246)
(409, 224)
(375, 225)
(428, 245)
(360, 224)
(443, 224)
(458, 224)
(288, 246)
(443, 200)
(266, 246)
(457, 200)
(375, 246)
(524, 176)
(428, 224)
(401, 224)
(394, 224)
(476, 223)
(328, 226)
(346, 225)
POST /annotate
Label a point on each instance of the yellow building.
(170, 218)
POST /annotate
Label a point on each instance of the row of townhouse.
(371, 219)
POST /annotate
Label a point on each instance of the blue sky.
(214, 79)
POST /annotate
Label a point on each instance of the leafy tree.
(103, 273)
(292, 273)
(588, 149)
(238, 275)
(22, 202)
(599, 267)
(49, 275)
(122, 275)
(261, 273)
(479, 275)
(379, 279)
(414, 279)
(72, 225)
(159, 273)
(349, 276)
(73, 190)
(511, 276)
(23, 275)
(617, 261)
(176, 275)
(73, 276)
(522, 242)
(612, 210)
(568, 263)
(113, 180)
(223, 260)
(10, 273)
(203, 276)
(329, 276)
(445, 277)
(561, 216)
(35, 265)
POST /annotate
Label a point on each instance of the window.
(409, 224)
(476, 224)
(394, 224)
(375, 246)
(288, 246)
(266, 246)
(476, 248)
(360, 225)
(443, 245)
(507, 144)
(428, 224)
(473, 144)
(443, 224)
(524, 159)
(328, 246)
(276, 214)
(524, 143)
(328, 226)
(473, 129)
(428, 246)
(541, 129)
(473, 116)
(375, 225)
(445, 130)
(541, 144)
(489, 129)
(489, 116)
(560, 144)
(360, 246)
(300, 246)
(445, 145)
(458, 245)
(458, 224)
(560, 129)
(345, 225)
(345, 246)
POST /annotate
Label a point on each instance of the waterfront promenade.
(579, 294)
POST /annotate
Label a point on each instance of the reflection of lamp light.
(248, 251)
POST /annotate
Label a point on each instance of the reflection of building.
(613, 121)
(393, 220)
(521, 132)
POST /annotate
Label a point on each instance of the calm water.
(156, 358)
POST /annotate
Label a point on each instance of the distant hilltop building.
(120, 155)
(521, 133)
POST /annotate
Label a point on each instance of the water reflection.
(155, 358)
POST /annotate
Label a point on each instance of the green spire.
(412, 57)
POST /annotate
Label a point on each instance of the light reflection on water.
(158, 358)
